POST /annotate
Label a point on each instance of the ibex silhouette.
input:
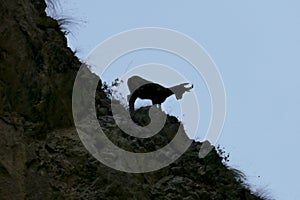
(143, 89)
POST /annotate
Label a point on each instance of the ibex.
(143, 89)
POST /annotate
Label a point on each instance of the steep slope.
(41, 155)
(37, 69)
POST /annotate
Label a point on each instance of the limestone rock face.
(41, 155)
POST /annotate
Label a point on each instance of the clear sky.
(256, 46)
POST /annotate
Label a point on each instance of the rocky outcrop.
(37, 68)
(41, 155)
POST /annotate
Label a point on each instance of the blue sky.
(256, 46)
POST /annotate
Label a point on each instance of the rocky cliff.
(41, 155)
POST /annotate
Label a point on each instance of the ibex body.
(143, 89)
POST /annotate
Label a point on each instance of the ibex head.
(179, 90)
